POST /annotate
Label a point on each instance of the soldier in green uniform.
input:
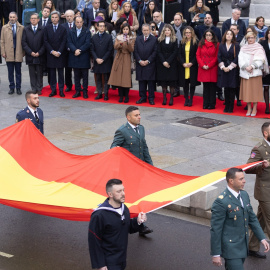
(232, 214)
(261, 152)
(29, 7)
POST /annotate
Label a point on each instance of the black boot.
(266, 98)
(126, 95)
(85, 94)
(164, 96)
(121, 94)
(62, 93)
(186, 90)
(171, 98)
(192, 91)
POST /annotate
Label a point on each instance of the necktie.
(136, 129)
(34, 29)
(14, 36)
(95, 13)
(54, 28)
(70, 26)
(145, 38)
(44, 22)
(37, 119)
(239, 197)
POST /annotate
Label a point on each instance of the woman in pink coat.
(208, 67)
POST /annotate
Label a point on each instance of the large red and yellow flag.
(37, 176)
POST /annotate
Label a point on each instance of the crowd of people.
(113, 40)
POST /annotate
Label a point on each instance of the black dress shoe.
(52, 94)
(211, 108)
(141, 100)
(68, 89)
(61, 94)
(18, 90)
(11, 91)
(106, 98)
(256, 254)
(220, 97)
(120, 99)
(239, 103)
(225, 110)
(77, 94)
(145, 230)
(85, 94)
(98, 97)
(151, 102)
(126, 100)
(176, 94)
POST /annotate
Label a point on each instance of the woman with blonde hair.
(167, 72)
(252, 62)
(121, 69)
(188, 70)
(128, 12)
(112, 12)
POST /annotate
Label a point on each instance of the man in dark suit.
(131, 136)
(33, 45)
(232, 215)
(108, 26)
(79, 39)
(145, 52)
(69, 15)
(102, 51)
(32, 111)
(261, 152)
(45, 19)
(91, 13)
(208, 24)
(236, 13)
(157, 18)
(178, 26)
(55, 38)
(235, 29)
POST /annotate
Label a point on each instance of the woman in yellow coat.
(121, 69)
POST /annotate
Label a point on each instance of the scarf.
(129, 17)
(257, 53)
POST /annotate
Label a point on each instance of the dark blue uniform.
(26, 114)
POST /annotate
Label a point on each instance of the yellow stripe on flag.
(18, 185)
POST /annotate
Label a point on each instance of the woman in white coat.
(252, 63)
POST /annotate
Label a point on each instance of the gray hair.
(56, 12)
(236, 9)
(70, 10)
(13, 12)
(146, 25)
(36, 14)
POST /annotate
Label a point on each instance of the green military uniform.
(229, 228)
(30, 7)
(261, 190)
(135, 143)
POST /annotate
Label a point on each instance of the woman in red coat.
(208, 67)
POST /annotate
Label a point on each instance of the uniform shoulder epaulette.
(222, 195)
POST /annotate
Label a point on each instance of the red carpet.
(178, 102)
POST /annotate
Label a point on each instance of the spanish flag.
(37, 176)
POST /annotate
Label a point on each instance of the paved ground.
(87, 128)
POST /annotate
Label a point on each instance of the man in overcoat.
(261, 152)
(102, 51)
(12, 51)
(232, 215)
(33, 45)
(79, 40)
(145, 52)
(55, 37)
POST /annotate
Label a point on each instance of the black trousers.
(143, 88)
(209, 94)
(229, 98)
(68, 77)
(53, 78)
(78, 74)
(121, 266)
(123, 91)
(99, 83)
(36, 77)
(188, 89)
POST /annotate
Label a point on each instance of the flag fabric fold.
(37, 176)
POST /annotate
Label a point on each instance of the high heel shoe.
(248, 114)
(254, 114)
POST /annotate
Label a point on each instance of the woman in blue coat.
(228, 74)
